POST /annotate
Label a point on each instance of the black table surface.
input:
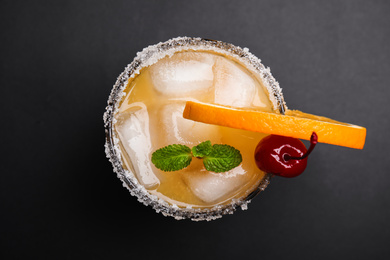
(59, 198)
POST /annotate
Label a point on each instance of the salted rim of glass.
(149, 56)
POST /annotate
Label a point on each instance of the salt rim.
(149, 56)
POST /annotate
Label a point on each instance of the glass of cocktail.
(145, 113)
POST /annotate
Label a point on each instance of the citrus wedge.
(293, 124)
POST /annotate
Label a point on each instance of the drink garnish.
(283, 156)
(293, 124)
(216, 158)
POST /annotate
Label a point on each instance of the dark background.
(59, 198)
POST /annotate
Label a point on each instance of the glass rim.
(149, 56)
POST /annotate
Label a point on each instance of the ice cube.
(234, 86)
(133, 130)
(183, 73)
(215, 187)
(177, 130)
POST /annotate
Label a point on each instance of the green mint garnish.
(202, 149)
(172, 157)
(222, 158)
(216, 158)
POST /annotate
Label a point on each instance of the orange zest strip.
(293, 124)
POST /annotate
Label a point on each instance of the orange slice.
(293, 124)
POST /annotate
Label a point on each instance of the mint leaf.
(202, 149)
(172, 157)
(222, 158)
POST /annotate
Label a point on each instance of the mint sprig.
(216, 158)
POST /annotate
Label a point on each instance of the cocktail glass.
(130, 114)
